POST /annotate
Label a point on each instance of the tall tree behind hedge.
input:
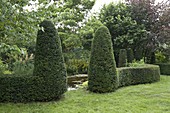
(88, 31)
(49, 62)
(102, 68)
(155, 17)
(125, 32)
(122, 58)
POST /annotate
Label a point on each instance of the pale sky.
(99, 3)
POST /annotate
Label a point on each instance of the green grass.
(146, 98)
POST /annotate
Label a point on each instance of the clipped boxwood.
(19, 88)
(122, 58)
(164, 68)
(102, 68)
(130, 55)
(48, 81)
(49, 62)
(138, 75)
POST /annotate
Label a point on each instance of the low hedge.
(26, 88)
(164, 68)
(18, 88)
(138, 75)
(48, 81)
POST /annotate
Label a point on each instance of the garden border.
(138, 75)
(164, 68)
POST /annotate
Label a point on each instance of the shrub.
(49, 80)
(137, 63)
(24, 67)
(138, 75)
(160, 57)
(122, 58)
(130, 55)
(102, 69)
(10, 53)
(49, 62)
(3, 67)
(77, 61)
(138, 54)
(164, 68)
(84, 85)
(19, 88)
(77, 66)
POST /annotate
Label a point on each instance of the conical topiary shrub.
(138, 54)
(130, 55)
(49, 63)
(102, 68)
(122, 58)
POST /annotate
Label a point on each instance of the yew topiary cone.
(122, 58)
(102, 76)
(49, 62)
(130, 56)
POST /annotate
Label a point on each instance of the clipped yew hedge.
(122, 58)
(19, 88)
(130, 55)
(48, 81)
(138, 75)
(49, 62)
(102, 76)
(164, 68)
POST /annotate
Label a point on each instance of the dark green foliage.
(125, 31)
(48, 81)
(161, 57)
(88, 31)
(138, 75)
(49, 62)
(77, 62)
(19, 88)
(24, 67)
(138, 54)
(16, 88)
(3, 67)
(164, 68)
(122, 58)
(102, 68)
(130, 56)
(151, 58)
(77, 66)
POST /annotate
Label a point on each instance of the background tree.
(130, 55)
(19, 23)
(164, 31)
(87, 32)
(71, 18)
(122, 58)
(150, 14)
(16, 26)
(125, 31)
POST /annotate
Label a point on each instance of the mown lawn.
(148, 98)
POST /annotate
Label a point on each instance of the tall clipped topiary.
(49, 62)
(102, 68)
(138, 54)
(130, 55)
(122, 58)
